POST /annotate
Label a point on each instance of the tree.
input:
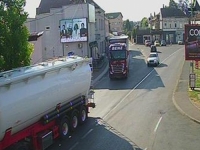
(127, 26)
(144, 22)
(184, 5)
(172, 4)
(15, 50)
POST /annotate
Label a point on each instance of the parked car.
(147, 43)
(153, 59)
(180, 42)
(163, 43)
(153, 48)
(157, 43)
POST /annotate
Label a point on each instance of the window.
(47, 28)
(175, 25)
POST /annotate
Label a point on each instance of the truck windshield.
(117, 54)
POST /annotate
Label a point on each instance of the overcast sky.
(134, 10)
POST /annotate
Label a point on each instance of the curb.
(184, 113)
(177, 106)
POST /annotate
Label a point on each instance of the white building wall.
(100, 30)
(49, 23)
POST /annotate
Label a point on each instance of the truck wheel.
(64, 127)
(74, 120)
(82, 114)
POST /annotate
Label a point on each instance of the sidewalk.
(181, 99)
(99, 71)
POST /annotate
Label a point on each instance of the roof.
(113, 15)
(46, 5)
(35, 35)
(196, 6)
(172, 12)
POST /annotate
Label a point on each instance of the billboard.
(73, 30)
(192, 42)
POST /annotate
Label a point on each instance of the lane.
(138, 112)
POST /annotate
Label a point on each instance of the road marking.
(74, 146)
(158, 124)
(122, 100)
(128, 94)
(87, 133)
(145, 148)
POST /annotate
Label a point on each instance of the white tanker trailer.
(43, 102)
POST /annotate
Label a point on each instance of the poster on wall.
(73, 30)
(192, 42)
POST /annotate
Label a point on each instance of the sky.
(134, 10)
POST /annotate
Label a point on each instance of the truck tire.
(20, 146)
(74, 120)
(64, 127)
(82, 115)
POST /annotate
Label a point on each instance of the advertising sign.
(73, 30)
(192, 42)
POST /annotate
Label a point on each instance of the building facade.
(172, 23)
(115, 22)
(52, 16)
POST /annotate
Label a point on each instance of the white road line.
(145, 149)
(128, 94)
(87, 133)
(136, 87)
(158, 124)
(74, 146)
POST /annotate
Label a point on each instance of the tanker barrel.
(45, 121)
(62, 108)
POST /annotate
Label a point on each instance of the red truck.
(118, 55)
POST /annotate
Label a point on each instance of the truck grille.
(117, 68)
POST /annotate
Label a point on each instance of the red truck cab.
(118, 60)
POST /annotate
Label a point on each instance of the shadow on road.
(95, 134)
(138, 71)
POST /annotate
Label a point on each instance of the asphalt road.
(138, 112)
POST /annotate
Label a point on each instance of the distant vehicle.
(147, 43)
(163, 43)
(157, 43)
(153, 59)
(153, 48)
(118, 56)
(180, 42)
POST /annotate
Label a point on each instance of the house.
(172, 24)
(115, 21)
(36, 39)
(167, 25)
(53, 16)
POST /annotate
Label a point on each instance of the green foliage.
(15, 50)
(173, 4)
(144, 22)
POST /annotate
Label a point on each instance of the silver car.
(153, 59)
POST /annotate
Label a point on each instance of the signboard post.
(192, 49)
(192, 42)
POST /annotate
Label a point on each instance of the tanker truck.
(44, 102)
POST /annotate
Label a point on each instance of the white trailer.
(43, 102)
